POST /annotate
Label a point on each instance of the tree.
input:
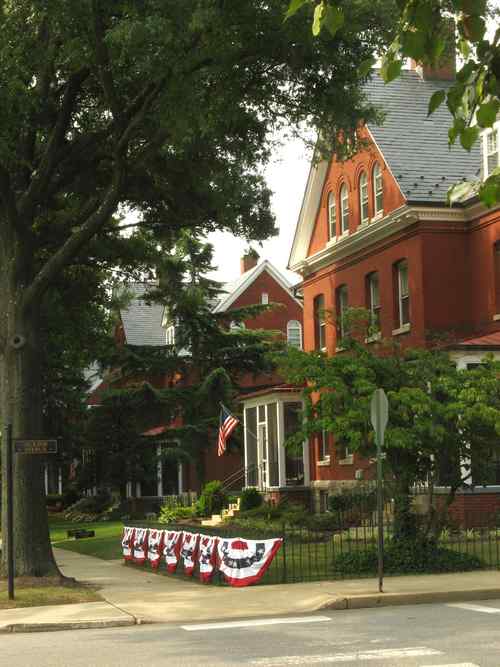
(205, 366)
(163, 108)
(442, 421)
(428, 31)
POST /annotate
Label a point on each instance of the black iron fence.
(342, 543)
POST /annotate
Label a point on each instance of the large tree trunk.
(21, 402)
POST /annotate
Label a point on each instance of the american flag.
(227, 424)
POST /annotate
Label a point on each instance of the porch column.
(305, 458)
(128, 490)
(59, 481)
(245, 445)
(159, 472)
(46, 478)
(137, 489)
(281, 446)
(179, 479)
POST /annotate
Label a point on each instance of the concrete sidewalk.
(136, 595)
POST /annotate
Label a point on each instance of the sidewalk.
(138, 596)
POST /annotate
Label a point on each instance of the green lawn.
(106, 544)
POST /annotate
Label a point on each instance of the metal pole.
(10, 516)
(380, 516)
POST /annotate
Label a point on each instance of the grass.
(34, 592)
(106, 544)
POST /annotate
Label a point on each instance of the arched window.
(363, 197)
(319, 322)
(344, 209)
(294, 334)
(332, 216)
(378, 190)
(236, 326)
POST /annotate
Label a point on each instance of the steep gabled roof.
(234, 289)
(414, 145)
(141, 320)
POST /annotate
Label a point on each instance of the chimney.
(249, 260)
(446, 69)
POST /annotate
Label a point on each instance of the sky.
(286, 176)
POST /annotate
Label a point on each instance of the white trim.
(252, 276)
(180, 485)
(401, 330)
(386, 163)
(496, 317)
(294, 322)
(464, 357)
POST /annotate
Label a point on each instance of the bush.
(327, 522)
(89, 507)
(352, 499)
(406, 557)
(250, 499)
(212, 500)
(169, 514)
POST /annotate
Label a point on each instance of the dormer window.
(363, 197)
(344, 209)
(378, 190)
(490, 148)
(332, 216)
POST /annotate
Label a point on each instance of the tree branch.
(7, 197)
(49, 160)
(103, 64)
(76, 241)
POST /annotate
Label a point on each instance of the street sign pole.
(10, 515)
(379, 417)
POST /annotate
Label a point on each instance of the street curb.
(402, 599)
(76, 625)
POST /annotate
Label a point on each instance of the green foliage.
(405, 557)
(171, 514)
(250, 499)
(212, 499)
(352, 499)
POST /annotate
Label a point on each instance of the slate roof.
(142, 321)
(416, 146)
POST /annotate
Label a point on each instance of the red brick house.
(147, 324)
(376, 231)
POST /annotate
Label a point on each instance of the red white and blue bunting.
(155, 547)
(171, 549)
(242, 562)
(127, 542)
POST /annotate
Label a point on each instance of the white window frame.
(342, 304)
(374, 305)
(170, 334)
(378, 190)
(363, 198)
(323, 450)
(236, 326)
(489, 152)
(294, 325)
(400, 266)
(319, 324)
(344, 209)
(332, 215)
(264, 298)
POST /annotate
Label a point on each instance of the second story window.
(491, 157)
(344, 209)
(378, 190)
(323, 449)
(319, 323)
(373, 299)
(265, 298)
(170, 335)
(403, 294)
(363, 197)
(332, 216)
(294, 334)
(341, 305)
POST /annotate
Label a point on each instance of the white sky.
(286, 176)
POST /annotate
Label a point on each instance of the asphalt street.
(452, 635)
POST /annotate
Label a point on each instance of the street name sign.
(38, 446)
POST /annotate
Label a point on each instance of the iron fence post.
(283, 532)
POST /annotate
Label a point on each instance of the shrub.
(89, 507)
(250, 499)
(169, 514)
(352, 499)
(327, 522)
(212, 500)
(406, 557)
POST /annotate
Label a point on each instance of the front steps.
(217, 519)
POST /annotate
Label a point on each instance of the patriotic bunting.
(207, 557)
(140, 545)
(155, 546)
(127, 542)
(244, 562)
(171, 549)
(189, 552)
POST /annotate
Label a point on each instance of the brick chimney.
(249, 260)
(446, 70)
